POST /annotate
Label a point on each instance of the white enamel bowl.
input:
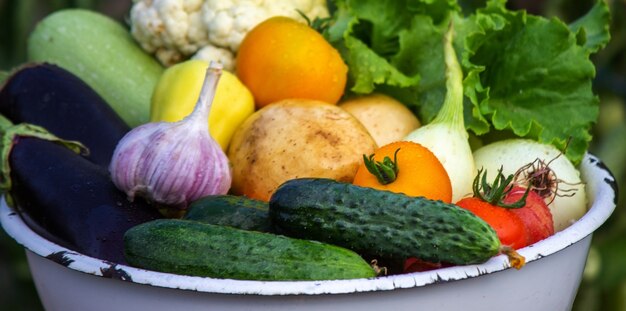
(69, 281)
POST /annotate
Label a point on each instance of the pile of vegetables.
(411, 134)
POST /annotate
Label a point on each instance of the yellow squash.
(177, 92)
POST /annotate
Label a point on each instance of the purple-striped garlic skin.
(174, 164)
(171, 164)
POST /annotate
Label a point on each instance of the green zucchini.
(3, 76)
(101, 52)
(381, 223)
(229, 210)
(194, 248)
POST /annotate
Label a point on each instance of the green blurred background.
(604, 282)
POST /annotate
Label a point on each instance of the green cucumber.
(381, 223)
(101, 52)
(193, 248)
(229, 210)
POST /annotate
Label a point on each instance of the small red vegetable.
(490, 204)
(535, 214)
(413, 264)
(510, 229)
(518, 215)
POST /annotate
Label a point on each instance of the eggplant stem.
(5, 124)
(9, 134)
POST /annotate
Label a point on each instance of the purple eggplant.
(53, 98)
(68, 199)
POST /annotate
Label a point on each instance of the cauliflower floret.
(229, 21)
(212, 53)
(173, 30)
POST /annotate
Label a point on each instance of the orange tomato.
(282, 58)
(419, 172)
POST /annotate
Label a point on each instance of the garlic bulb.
(174, 163)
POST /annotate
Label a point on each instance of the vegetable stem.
(386, 171)
(207, 93)
(516, 260)
(8, 134)
(451, 112)
(4, 124)
(496, 192)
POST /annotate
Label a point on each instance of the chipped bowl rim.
(600, 185)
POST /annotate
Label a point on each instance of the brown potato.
(296, 138)
(385, 118)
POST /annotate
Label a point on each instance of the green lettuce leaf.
(592, 29)
(420, 54)
(524, 74)
(371, 34)
(535, 78)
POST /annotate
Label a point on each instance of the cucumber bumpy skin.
(381, 223)
(193, 248)
(232, 211)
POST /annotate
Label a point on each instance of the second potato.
(386, 119)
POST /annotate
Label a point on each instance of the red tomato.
(509, 227)
(535, 215)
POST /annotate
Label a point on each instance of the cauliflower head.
(175, 30)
